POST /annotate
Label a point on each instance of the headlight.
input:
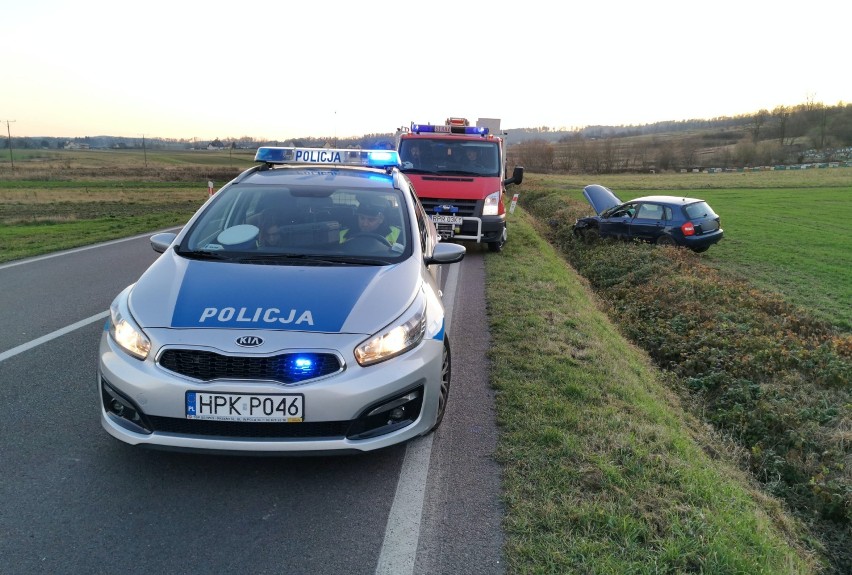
(404, 334)
(124, 330)
(492, 205)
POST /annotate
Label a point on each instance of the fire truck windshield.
(450, 156)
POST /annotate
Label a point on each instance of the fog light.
(390, 416)
(122, 410)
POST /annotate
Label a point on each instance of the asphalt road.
(75, 500)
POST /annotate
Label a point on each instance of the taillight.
(688, 229)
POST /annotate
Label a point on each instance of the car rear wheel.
(444, 392)
(666, 241)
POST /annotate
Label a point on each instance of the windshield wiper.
(205, 255)
(458, 173)
(311, 259)
(285, 257)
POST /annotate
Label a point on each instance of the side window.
(667, 213)
(422, 223)
(650, 211)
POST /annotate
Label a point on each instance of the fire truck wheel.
(498, 245)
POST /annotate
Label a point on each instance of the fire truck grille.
(466, 208)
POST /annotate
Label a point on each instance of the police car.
(299, 310)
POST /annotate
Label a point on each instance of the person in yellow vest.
(371, 220)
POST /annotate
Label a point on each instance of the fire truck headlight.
(492, 204)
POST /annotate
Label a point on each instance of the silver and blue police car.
(299, 310)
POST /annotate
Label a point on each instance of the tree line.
(809, 132)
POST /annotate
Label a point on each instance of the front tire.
(498, 245)
(444, 392)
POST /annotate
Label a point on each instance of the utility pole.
(9, 132)
(144, 151)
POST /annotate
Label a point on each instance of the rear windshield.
(699, 211)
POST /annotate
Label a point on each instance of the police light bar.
(467, 130)
(326, 156)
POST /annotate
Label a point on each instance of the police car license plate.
(439, 219)
(282, 408)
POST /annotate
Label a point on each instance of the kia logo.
(249, 341)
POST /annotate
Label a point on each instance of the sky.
(326, 68)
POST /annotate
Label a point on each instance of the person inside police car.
(371, 220)
(271, 228)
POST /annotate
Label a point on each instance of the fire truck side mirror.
(517, 176)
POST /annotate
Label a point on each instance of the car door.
(616, 224)
(648, 223)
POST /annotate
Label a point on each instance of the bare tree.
(782, 116)
(758, 120)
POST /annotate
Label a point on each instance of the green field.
(795, 241)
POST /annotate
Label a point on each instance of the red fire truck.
(459, 174)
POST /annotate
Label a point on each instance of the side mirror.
(446, 254)
(161, 242)
(517, 176)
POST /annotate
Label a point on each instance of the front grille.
(324, 429)
(287, 368)
(466, 208)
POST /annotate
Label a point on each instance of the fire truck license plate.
(439, 219)
(244, 407)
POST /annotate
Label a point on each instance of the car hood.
(600, 198)
(184, 294)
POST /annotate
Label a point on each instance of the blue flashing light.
(326, 157)
(304, 363)
(301, 367)
(466, 130)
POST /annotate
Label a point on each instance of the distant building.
(76, 146)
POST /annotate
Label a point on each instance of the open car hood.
(600, 198)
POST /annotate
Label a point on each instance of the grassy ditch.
(765, 374)
(605, 472)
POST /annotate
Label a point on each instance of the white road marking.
(402, 533)
(53, 335)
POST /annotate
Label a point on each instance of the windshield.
(301, 224)
(450, 157)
